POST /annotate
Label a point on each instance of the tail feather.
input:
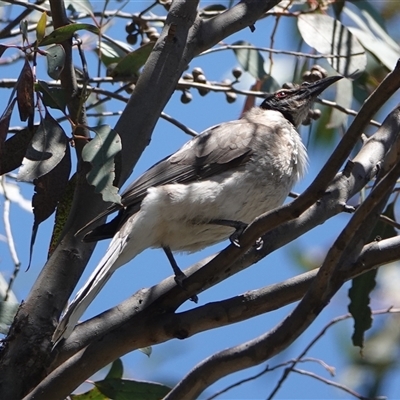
(89, 291)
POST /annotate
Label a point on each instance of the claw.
(234, 238)
(259, 244)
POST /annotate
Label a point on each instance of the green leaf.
(8, 310)
(113, 52)
(14, 149)
(359, 305)
(269, 85)
(146, 350)
(366, 6)
(92, 394)
(376, 40)
(80, 6)
(55, 56)
(344, 97)
(5, 284)
(101, 152)
(116, 371)
(123, 389)
(41, 27)
(250, 60)
(59, 35)
(364, 284)
(49, 190)
(328, 36)
(5, 124)
(54, 97)
(25, 92)
(46, 149)
(62, 213)
(130, 65)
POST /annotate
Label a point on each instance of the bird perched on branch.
(207, 191)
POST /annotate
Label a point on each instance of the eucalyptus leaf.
(101, 152)
(25, 98)
(119, 389)
(46, 149)
(41, 27)
(66, 32)
(113, 52)
(130, 65)
(83, 6)
(55, 56)
(328, 36)
(344, 97)
(384, 53)
(116, 371)
(250, 60)
(54, 97)
(8, 310)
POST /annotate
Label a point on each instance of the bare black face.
(295, 103)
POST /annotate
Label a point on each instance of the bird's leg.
(179, 275)
(238, 225)
(239, 229)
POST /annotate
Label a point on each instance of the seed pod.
(307, 76)
(230, 97)
(131, 27)
(323, 71)
(131, 39)
(316, 75)
(237, 72)
(154, 37)
(316, 114)
(196, 72)
(186, 97)
(200, 78)
(202, 91)
(288, 85)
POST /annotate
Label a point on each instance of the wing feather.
(215, 150)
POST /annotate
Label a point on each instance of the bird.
(206, 192)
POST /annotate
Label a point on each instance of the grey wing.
(215, 150)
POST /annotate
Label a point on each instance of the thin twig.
(10, 238)
(275, 51)
(315, 340)
(331, 383)
(344, 110)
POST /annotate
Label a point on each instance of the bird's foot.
(179, 278)
(234, 238)
(259, 244)
(238, 225)
(179, 275)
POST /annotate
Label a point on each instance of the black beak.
(312, 90)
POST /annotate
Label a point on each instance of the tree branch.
(166, 326)
(124, 325)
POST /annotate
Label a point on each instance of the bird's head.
(294, 104)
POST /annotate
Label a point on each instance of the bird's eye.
(281, 95)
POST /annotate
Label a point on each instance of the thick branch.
(213, 315)
(125, 323)
(325, 285)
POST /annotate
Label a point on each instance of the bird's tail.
(89, 291)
